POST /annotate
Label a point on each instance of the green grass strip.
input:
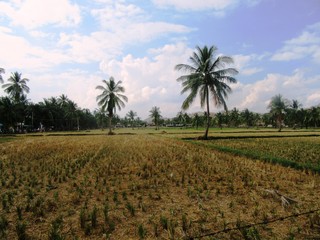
(259, 156)
(6, 139)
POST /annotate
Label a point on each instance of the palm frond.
(185, 67)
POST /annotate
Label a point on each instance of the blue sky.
(68, 47)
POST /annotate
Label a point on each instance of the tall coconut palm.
(277, 107)
(16, 87)
(131, 115)
(1, 72)
(111, 98)
(208, 77)
(293, 111)
(155, 114)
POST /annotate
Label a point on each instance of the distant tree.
(7, 113)
(314, 114)
(235, 117)
(277, 107)
(51, 114)
(131, 115)
(155, 114)
(71, 113)
(139, 122)
(293, 112)
(187, 118)
(63, 100)
(207, 76)
(247, 117)
(181, 118)
(100, 116)
(111, 98)
(16, 87)
(196, 121)
(1, 72)
(218, 119)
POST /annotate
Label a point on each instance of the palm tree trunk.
(208, 116)
(110, 127)
(280, 123)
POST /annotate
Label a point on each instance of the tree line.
(206, 76)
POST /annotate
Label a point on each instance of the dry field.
(148, 187)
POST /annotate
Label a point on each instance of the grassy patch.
(6, 139)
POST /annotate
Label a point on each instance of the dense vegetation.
(207, 77)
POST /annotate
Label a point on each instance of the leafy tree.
(100, 116)
(234, 117)
(181, 118)
(219, 119)
(207, 76)
(314, 114)
(196, 121)
(155, 114)
(277, 107)
(247, 117)
(1, 72)
(71, 113)
(293, 112)
(131, 115)
(7, 113)
(52, 114)
(16, 87)
(111, 98)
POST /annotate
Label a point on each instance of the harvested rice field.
(154, 186)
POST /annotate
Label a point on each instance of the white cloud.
(216, 5)
(303, 46)
(314, 98)
(78, 85)
(130, 23)
(151, 81)
(244, 64)
(20, 53)
(32, 14)
(117, 15)
(39, 34)
(5, 30)
(256, 96)
(250, 71)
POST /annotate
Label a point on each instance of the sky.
(69, 46)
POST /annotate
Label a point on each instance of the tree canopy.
(208, 74)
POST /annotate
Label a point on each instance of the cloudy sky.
(69, 46)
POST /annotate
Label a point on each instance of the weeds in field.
(3, 226)
(21, 230)
(141, 231)
(55, 231)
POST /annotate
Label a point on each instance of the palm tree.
(16, 86)
(131, 115)
(314, 115)
(1, 72)
(155, 114)
(100, 117)
(207, 76)
(196, 120)
(181, 118)
(111, 98)
(247, 117)
(63, 100)
(277, 107)
(293, 111)
(235, 117)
